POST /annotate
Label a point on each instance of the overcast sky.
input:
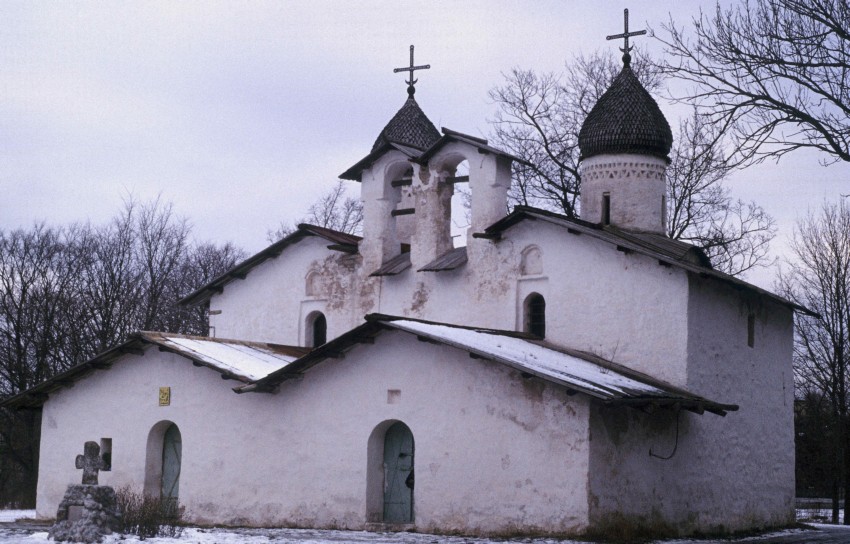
(243, 113)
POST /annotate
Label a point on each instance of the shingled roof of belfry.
(409, 126)
(626, 119)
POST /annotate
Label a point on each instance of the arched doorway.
(163, 462)
(172, 452)
(398, 474)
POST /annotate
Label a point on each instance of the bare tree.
(819, 279)
(39, 272)
(775, 74)
(67, 294)
(734, 234)
(333, 210)
(539, 119)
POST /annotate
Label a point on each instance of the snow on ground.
(13, 515)
(291, 536)
(12, 533)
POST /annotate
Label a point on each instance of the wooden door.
(171, 460)
(398, 474)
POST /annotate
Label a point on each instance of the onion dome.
(409, 127)
(626, 119)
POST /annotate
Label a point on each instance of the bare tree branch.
(773, 74)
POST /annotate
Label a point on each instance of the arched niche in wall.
(531, 261)
(313, 284)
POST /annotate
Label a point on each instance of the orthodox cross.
(90, 462)
(411, 82)
(625, 35)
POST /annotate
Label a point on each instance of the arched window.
(317, 329)
(535, 315)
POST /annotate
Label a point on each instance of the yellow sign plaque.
(164, 396)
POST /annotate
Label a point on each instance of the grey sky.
(243, 113)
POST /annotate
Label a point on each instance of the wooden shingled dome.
(626, 119)
(409, 127)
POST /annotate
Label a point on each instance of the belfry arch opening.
(401, 191)
(460, 204)
(390, 474)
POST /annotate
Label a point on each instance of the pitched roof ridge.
(271, 251)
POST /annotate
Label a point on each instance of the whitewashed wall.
(624, 307)
(495, 453)
(727, 473)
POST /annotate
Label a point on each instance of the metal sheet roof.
(576, 370)
(233, 359)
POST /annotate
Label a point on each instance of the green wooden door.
(398, 474)
(171, 459)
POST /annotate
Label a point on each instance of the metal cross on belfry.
(626, 34)
(411, 82)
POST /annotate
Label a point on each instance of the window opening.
(606, 208)
(319, 330)
(106, 453)
(535, 315)
(751, 329)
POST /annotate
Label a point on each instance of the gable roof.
(578, 371)
(668, 252)
(339, 241)
(355, 173)
(233, 359)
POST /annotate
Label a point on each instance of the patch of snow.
(247, 361)
(7, 516)
(518, 352)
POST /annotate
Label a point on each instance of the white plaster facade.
(497, 451)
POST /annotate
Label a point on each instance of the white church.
(551, 376)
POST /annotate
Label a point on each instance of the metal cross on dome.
(626, 34)
(411, 82)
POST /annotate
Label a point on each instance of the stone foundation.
(86, 514)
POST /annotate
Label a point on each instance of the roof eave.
(479, 143)
(355, 173)
(241, 270)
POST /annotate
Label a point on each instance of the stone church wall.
(494, 452)
(726, 473)
(272, 303)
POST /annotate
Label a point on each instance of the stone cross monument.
(88, 511)
(90, 462)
